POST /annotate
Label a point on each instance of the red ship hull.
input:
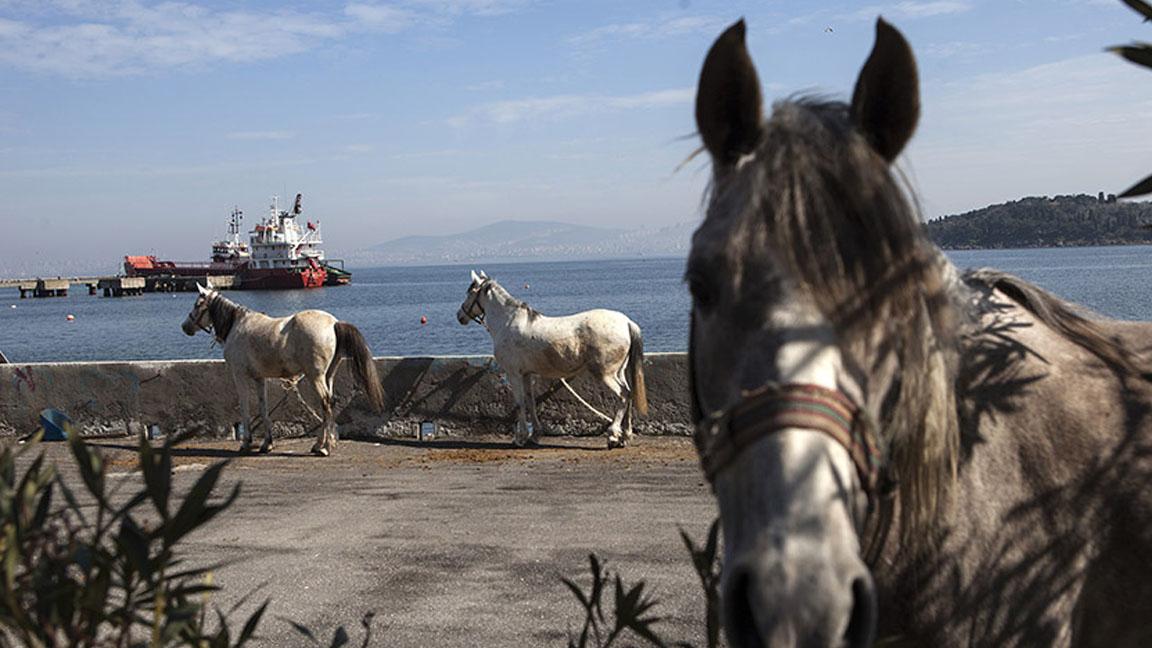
(282, 278)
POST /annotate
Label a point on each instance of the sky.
(134, 126)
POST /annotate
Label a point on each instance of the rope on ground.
(292, 384)
(585, 403)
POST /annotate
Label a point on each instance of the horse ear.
(886, 102)
(482, 275)
(202, 289)
(729, 108)
(475, 277)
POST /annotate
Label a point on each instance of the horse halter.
(762, 412)
(197, 314)
(472, 306)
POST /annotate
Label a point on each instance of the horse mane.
(847, 228)
(841, 224)
(224, 313)
(533, 314)
(1062, 317)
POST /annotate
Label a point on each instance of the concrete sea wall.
(463, 394)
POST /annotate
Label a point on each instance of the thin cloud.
(909, 10)
(385, 18)
(667, 28)
(78, 39)
(472, 7)
(261, 135)
(1052, 128)
(559, 107)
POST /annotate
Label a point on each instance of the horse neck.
(499, 305)
(224, 314)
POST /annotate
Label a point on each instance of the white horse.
(310, 343)
(603, 342)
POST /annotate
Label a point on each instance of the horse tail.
(350, 344)
(636, 369)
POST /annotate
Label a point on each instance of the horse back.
(562, 346)
(275, 347)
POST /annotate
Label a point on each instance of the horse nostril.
(740, 615)
(862, 623)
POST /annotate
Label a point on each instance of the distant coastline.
(1043, 222)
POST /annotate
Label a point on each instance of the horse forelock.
(836, 221)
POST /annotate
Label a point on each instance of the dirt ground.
(453, 542)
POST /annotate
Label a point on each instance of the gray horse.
(310, 344)
(899, 450)
(603, 343)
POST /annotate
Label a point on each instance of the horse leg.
(330, 375)
(243, 388)
(626, 394)
(530, 400)
(263, 392)
(521, 436)
(325, 440)
(616, 438)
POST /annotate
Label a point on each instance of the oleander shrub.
(630, 608)
(101, 568)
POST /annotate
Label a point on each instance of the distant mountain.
(1061, 221)
(510, 240)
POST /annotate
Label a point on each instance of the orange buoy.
(70, 317)
(423, 319)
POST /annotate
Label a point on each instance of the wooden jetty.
(118, 286)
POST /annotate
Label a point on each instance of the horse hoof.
(265, 449)
(320, 452)
(532, 443)
(616, 443)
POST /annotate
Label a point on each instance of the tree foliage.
(1046, 222)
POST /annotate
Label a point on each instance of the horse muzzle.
(462, 317)
(189, 327)
(792, 596)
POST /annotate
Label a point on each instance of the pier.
(118, 286)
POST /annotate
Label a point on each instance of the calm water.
(387, 303)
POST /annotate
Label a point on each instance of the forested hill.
(1047, 222)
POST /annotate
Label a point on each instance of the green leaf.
(250, 626)
(73, 504)
(302, 629)
(134, 545)
(194, 510)
(1140, 7)
(157, 469)
(1138, 53)
(91, 467)
(1139, 189)
(339, 638)
(44, 507)
(577, 592)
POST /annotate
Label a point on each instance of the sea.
(388, 304)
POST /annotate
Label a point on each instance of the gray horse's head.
(471, 309)
(199, 318)
(807, 274)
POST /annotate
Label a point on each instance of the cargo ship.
(280, 254)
